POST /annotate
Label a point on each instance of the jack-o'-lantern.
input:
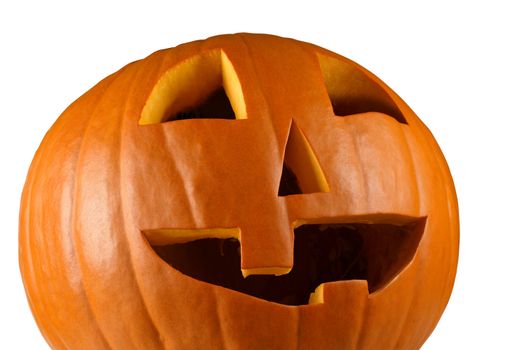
(242, 192)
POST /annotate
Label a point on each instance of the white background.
(458, 64)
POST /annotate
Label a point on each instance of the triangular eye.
(201, 87)
(302, 172)
(352, 91)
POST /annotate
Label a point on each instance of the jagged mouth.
(323, 253)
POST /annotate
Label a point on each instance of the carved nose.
(301, 172)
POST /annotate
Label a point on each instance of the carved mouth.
(322, 253)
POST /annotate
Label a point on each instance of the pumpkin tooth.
(317, 297)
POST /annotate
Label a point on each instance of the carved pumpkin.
(242, 192)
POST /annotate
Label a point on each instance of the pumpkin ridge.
(121, 208)
(416, 191)
(187, 197)
(75, 185)
(75, 209)
(25, 270)
(432, 323)
(219, 320)
(267, 106)
(298, 313)
(96, 327)
(427, 140)
(27, 219)
(407, 311)
(364, 179)
(364, 317)
(451, 199)
(453, 225)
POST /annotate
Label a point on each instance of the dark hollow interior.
(215, 106)
(322, 253)
(345, 107)
(289, 184)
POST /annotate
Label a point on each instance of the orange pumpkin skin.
(99, 179)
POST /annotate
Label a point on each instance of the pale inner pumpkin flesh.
(322, 253)
(202, 79)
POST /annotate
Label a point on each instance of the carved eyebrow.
(352, 91)
(202, 86)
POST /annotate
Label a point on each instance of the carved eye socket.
(351, 91)
(203, 86)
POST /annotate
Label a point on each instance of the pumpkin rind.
(99, 179)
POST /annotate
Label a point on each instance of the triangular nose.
(301, 172)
